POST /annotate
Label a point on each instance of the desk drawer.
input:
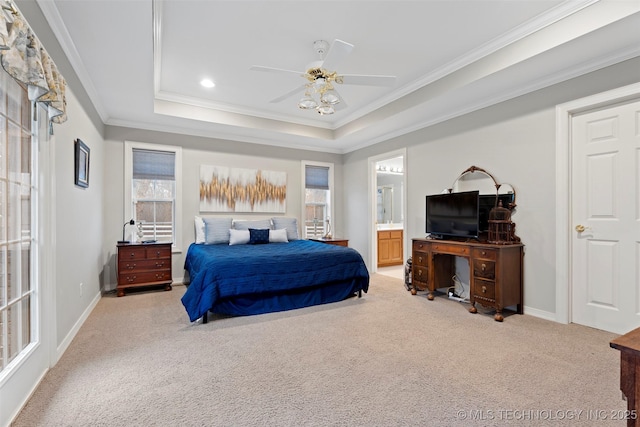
(420, 245)
(444, 248)
(420, 273)
(484, 289)
(485, 253)
(484, 269)
(420, 258)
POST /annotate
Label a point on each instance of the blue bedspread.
(222, 272)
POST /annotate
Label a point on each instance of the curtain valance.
(24, 59)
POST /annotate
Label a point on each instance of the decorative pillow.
(257, 224)
(238, 237)
(290, 224)
(278, 236)
(199, 224)
(258, 236)
(216, 230)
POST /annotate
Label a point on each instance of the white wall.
(515, 141)
(203, 151)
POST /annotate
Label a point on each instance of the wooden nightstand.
(332, 241)
(144, 264)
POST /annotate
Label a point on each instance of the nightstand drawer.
(159, 252)
(144, 277)
(484, 269)
(145, 264)
(484, 289)
(133, 252)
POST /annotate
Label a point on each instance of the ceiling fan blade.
(288, 94)
(364, 80)
(342, 104)
(274, 70)
(338, 51)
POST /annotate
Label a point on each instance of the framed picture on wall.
(82, 164)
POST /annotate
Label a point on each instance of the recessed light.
(207, 83)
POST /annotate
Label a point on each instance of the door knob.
(580, 228)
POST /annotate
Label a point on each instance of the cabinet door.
(395, 250)
(384, 251)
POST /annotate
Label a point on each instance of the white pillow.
(238, 237)
(199, 224)
(290, 224)
(260, 224)
(278, 236)
(216, 230)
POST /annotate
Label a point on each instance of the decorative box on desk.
(332, 241)
(143, 264)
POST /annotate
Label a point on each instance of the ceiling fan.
(319, 92)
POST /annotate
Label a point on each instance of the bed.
(253, 279)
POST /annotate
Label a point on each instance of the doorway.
(597, 199)
(387, 207)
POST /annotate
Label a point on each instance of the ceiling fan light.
(330, 97)
(307, 103)
(319, 83)
(325, 109)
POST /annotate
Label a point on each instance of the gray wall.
(515, 141)
(79, 223)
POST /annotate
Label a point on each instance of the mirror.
(385, 204)
(389, 183)
(475, 178)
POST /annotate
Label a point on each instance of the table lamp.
(130, 222)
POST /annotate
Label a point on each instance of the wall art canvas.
(225, 189)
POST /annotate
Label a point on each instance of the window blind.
(316, 177)
(153, 164)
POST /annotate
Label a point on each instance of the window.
(17, 228)
(152, 191)
(318, 198)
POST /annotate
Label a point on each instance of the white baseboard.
(540, 313)
(76, 327)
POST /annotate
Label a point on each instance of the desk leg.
(473, 308)
(430, 295)
(629, 385)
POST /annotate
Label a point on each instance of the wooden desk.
(496, 276)
(629, 346)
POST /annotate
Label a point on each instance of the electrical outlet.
(81, 288)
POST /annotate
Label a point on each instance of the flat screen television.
(453, 214)
(488, 202)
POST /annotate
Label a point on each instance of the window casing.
(317, 211)
(152, 192)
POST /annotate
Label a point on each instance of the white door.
(605, 212)
(35, 329)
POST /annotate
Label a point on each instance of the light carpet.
(386, 359)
